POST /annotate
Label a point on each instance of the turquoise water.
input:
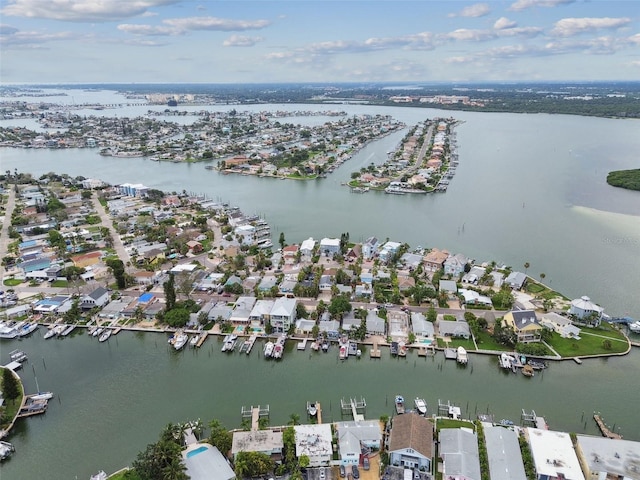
(195, 452)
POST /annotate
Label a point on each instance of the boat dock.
(302, 345)
(32, 407)
(68, 330)
(375, 351)
(203, 337)
(116, 330)
(252, 341)
(450, 353)
(354, 407)
(604, 429)
(254, 413)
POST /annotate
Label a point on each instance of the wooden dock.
(302, 345)
(33, 407)
(375, 351)
(116, 330)
(252, 341)
(203, 337)
(319, 414)
(604, 429)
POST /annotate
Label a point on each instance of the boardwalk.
(604, 429)
(375, 351)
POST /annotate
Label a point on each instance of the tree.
(339, 306)
(526, 266)
(162, 460)
(10, 386)
(281, 240)
(542, 276)
(169, 292)
(220, 437)
(432, 314)
(177, 317)
(117, 268)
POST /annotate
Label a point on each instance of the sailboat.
(40, 395)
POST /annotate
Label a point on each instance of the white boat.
(461, 356)
(28, 328)
(268, 349)
(97, 332)
(399, 404)
(343, 352)
(41, 396)
(105, 335)
(312, 409)
(50, 333)
(194, 340)
(180, 340)
(6, 449)
(635, 326)
(505, 361)
(17, 356)
(421, 405)
(8, 331)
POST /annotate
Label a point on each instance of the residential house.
(525, 324)
(307, 247)
(261, 311)
(503, 453)
(194, 246)
(242, 310)
(434, 260)
(603, 458)
(583, 308)
(329, 246)
(290, 254)
(471, 297)
(370, 248)
(411, 442)
(207, 463)
(448, 286)
(454, 265)
(421, 327)
(554, 456)
(560, 324)
(388, 251)
(331, 328)
(458, 449)
(455, 329)
(354, 253)
(375, 324)
(267, 283)
(405, 282)
(350, 322)
(411, 260)
(267, 442)
(98, 298)
(352, 436)
(283, 314)
(314, 441)
(516, 280)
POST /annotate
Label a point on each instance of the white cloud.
(634, 63)
(572, 26)
(82, 10)
(475, 10)
(241, 41)
(470, 35)
(214, 23)
(149, 30)
(32, 39)
(524, 4)
(504, 22)
(519, 32)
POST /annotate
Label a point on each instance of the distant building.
(411, 441)
(553, 455)
(314, 441)
(603, 458)
(583, 307)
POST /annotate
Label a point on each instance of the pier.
(203, 337)
(68, 330)
(354, 407)
(449, 410)
(375, 351)
(32, 407)
(255, 413)
(604, 429)
(302, 344)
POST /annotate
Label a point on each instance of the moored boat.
(8, 330)
(343, 352)
(268, 349)
(527, 371)
(105, 335)
(421, 405)
(18, 356)
(461, 356)
(6, 449)
(27, 329)
(41, 396)
(635, 326)
(399, 401)
(312, 409)
(180, 340)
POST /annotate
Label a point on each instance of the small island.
(629, 179)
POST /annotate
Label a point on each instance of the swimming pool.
(426, 341)
(196, 451)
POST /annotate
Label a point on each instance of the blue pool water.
(195, 452)
(426, 341)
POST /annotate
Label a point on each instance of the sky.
(264, 41)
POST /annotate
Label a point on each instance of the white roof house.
(314, 441)
(351, 437)
(459, 452)
(261, 310)
(307, 246)
(605, 458)
(330, 245)
(503, 452)
(283, 314)
(553, 454)
(242, 309)
(205, 462)
(583, 307)
(474, 298)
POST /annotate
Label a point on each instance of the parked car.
(365, 463)
(322, 475)
(342, 471)
(355, 472)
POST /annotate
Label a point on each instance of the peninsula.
(629, 179)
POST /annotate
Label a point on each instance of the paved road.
(107, 221)
(4, 234)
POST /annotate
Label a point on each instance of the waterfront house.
(220, 312)
(454, 264)
(454, 329)
(525, 324)
(434, 260)
(398, 324)
(411, 260)
(242, 310)
(516, 280)
(304, 326)
(388, 251)
(458, 449)
(283, 314)
(261, 311)
(352, 436)
(421, 326)
(375, 324)
(411, 442)
(349, 321)
(207, 463)
(554, 455)
(560, 324)
(331, 328)
(584, 309)
(329, 246)
(267, 442)
(97, 298)
(307, 247)
(605, 458)
(314, 441)
(370, 248)
(503, 454)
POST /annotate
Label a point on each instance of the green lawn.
(10, 408)
(588, 344)
(60, 283)
(12, 282)
(486, 342)
(606, 330)
(450, 423)
(457, 342)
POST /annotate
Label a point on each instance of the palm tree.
(542, 276)
(294, 419)
(526, 266)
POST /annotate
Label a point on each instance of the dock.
(604, 429)
(116, 330)
(375, 351)
(33, 407)
(252, 341)
(203, 337)
(68, 330)
(354, 407)
(450, 353)
(302, 345)
(319, 414)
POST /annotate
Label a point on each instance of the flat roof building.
(553, 455)
(503, 452)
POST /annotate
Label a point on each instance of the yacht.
(180, 340)
(105, 335)
(8, 331)
(41, 396)
(461, 356)
(421, 405)
(50, 333)
(268, 349)
(27, 329)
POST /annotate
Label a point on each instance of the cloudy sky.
(236, 41)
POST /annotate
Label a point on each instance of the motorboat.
(195, 339)
(505, 361)
(41, 396)
(635, 326)
(17, 356)
(105, 335)
(527, 371)
(278, 350)
(399, 401)
(180, 340)
(6, 449)
(343, 352)
(421, 405)
(8, 331)
(312, 409)
(229, 343)
(98, 331)
(461, 356)
(402, 349)
(268, 349)
(27, 329)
